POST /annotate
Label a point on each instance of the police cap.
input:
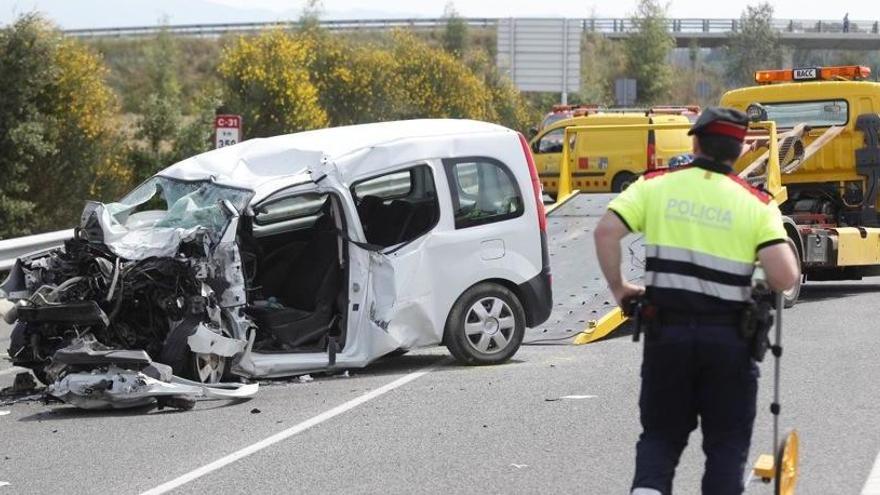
(722, 121)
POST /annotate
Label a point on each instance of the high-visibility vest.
(703, 227)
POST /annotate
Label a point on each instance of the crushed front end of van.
(163, 284)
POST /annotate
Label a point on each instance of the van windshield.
(164, 202)
(812, 113)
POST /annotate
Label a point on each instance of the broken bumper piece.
(117, 388)
(89, 375)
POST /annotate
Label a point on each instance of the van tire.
(622, 180)
(790, 297)
(486, 325)
(205, 368)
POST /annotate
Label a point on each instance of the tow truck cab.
(831, 213)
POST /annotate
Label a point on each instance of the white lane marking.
(578, 397)
(285, 434)
(14, 369)
(872, 485)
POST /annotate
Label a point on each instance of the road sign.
(541, 54)
(704, 90)
(625, 92)
(227, 130)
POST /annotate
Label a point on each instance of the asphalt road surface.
(557, 419)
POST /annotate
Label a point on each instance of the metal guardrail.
(10, 249)
(253, 27)
(683, 26)
(723, 26)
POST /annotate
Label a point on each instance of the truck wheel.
(486, 325)
(790, 296)
(621, 181)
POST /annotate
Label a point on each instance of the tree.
(266, 79)
(508, 106)
(647, 53)
(455, 34)
(755, 45)
(194, 137)
(160, 113)
(310, 17)
(604, 61)
(435, 83)
(58, 143)
(356, 82)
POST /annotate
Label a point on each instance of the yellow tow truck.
(828, 151)
(815, 136)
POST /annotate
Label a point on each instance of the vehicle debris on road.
(110, 386)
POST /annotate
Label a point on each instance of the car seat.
(308, 297)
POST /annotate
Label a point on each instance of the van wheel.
(622, 180)
(205, 368)
(486, 325)
(790, 296)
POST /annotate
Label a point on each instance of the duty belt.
(678, 318)
(645, 315)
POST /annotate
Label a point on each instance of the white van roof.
(264, 163)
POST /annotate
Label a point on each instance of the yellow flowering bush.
(356, 83)
(267, 81)
(436, 83)
(285, 82)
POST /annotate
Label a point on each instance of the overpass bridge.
(709, 33)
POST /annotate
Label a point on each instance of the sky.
(110, 13)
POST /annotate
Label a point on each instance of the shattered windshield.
(167, 203)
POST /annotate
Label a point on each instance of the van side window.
(483, 191)
(290, 208)
(390, 186)
(397, 207)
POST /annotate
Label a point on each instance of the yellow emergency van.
(609, 161)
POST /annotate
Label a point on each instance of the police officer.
(703, 228)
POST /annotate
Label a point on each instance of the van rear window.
(483, 191)
(813, 113)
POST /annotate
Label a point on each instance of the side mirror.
(756, 112)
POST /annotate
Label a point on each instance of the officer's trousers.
(692, 371)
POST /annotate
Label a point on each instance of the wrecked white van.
(298, 253)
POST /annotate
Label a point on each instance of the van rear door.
(670, 142)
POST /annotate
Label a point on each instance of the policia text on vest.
(683, 210)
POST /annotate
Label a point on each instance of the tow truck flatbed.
(580, 293)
